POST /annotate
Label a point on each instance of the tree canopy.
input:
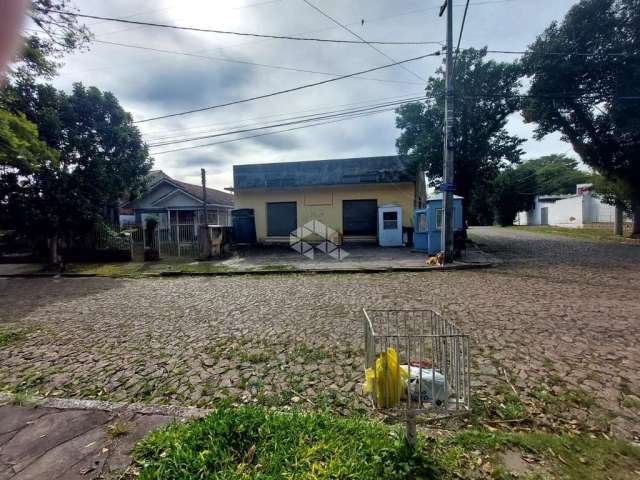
(556, 174)
(486, 94)
(99, 157)
(591, 92)
(513, 191)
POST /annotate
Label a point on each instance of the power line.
(258, 125)
(271, 133)
(464, 18)
(262, 117)
(564, 54)
(344, 27)
(227, 32)
(288, 90)
(291, 121)
(243, 62)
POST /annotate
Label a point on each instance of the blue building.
(428, 224)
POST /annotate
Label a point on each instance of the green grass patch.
(117, 269)
(11, 337)
(278, 268)
(565, 456)
(250, 443)
(595, 234)
(631, 402)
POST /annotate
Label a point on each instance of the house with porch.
(176, 203)
(361, 199)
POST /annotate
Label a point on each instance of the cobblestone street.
(561, 316)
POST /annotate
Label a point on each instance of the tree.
(514, 190)
(557, 174)
(584, 76)
(486, 94)
(57, 34)
(101, 158)
(614, 193)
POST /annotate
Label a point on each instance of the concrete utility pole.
(447, 173)
(203, 176)
(205, 227)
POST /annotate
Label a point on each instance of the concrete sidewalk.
(68, 439)
(257, 260)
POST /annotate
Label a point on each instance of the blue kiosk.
(427, 224)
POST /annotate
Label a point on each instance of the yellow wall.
(325, 203)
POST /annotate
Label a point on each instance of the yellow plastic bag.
(388, 381)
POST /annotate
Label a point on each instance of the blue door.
(420, 241)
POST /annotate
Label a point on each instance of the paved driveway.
(561, 316)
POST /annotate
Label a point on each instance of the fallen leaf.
(250, 454)
(89, 444)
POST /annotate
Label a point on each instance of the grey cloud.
(150, 84)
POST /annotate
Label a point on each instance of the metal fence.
(416, 362)
(104, 241)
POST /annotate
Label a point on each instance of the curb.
(230, 273)
(106, 406)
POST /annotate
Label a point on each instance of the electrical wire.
(288, 90)
(464, 19)
(344, 27)
(270, 133)
(291, 121)
(227, 32)
(243, 62)
(251, 126)
(262, 117)
(563, 54)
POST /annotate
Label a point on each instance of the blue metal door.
(420, 240)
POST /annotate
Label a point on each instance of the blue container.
(427, 222)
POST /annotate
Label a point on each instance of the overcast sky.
(150, 83)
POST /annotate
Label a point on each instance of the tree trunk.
(54, 251)
(635, 226)
(618, 226)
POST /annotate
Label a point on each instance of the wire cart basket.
(417, 363)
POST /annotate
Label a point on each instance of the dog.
(436, 260)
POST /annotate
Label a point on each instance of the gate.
(175, 235)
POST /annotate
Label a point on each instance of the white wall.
(567, 212)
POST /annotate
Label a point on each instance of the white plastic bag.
(432, 383)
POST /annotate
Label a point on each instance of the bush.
(250, 443)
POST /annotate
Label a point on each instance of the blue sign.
(447, 187)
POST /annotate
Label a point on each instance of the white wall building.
(583, 208)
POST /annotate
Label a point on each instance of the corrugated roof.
(345, 171)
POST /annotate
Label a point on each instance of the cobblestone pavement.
(558, 323)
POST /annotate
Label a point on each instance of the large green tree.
(513, 191)
(100, 157)
(485, 96)
(557, 174)
(585, 84)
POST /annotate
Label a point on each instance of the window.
(213, 217)
(389, 220)
(438, 218)
(422, 222)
